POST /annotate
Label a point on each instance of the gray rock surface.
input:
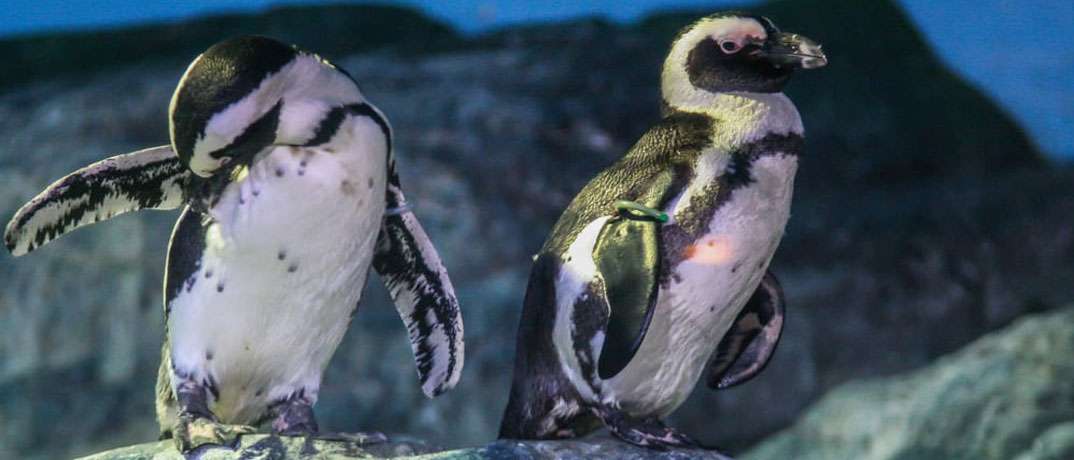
(288, 448)
(1008, 395)
(264, 446)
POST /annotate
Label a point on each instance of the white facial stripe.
(225, 126)
(735, 29)
(675, 82)
(308, 87)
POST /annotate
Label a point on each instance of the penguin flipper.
(748, 346)
(627, 255)
(423, 294)
(147, 179)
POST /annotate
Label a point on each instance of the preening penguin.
(658, 267)
(289, 193)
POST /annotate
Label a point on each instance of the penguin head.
(247, 93)
(734, 52)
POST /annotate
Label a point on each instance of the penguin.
(289, 193)
(658, 268)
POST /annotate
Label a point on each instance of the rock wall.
(883, 273)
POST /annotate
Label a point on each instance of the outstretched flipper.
(418, 282)
(749, 344)
(147, 179)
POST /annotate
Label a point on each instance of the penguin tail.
(147, 179)
(543, 403)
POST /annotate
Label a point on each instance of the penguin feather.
(147, 179)
(424, 296)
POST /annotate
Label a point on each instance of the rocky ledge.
(1009, 395)
(263, 446)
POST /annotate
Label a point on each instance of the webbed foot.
(294, 417)
(197, 426)
(649, 432)
(194, 431)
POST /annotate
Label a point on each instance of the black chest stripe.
(330, 124)
(255, 137)
(693, 222)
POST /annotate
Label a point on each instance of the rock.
(266, 446)
(1007, 395)
(1055, 444)
(294, 448)
(494, 138)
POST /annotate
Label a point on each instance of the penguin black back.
(675, 141)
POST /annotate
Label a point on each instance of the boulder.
(1007, 395)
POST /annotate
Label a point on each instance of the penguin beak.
(786, 49)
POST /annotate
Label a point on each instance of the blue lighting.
(1017, 51)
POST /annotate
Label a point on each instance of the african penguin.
(658, 267)
(289, 193)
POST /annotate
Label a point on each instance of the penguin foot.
(193, 431)
(197, 426)
(294, 417)
(649, 433)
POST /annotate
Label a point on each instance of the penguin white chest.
(706, 291)
(284, 265)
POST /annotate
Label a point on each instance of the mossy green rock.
(281, 448)
(1008, 395)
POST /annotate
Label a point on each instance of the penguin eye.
(729, 46)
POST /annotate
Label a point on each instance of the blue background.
(1019, 52)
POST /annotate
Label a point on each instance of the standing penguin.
(660, 262)
(289, 192)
